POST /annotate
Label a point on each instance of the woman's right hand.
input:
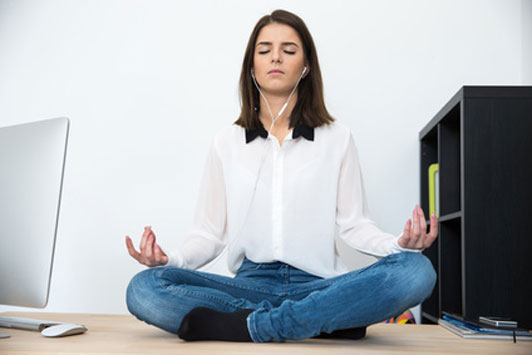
(151, 253)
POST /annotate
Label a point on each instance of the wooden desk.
(122, 334)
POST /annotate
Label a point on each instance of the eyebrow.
(283, 44)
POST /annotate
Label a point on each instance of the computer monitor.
(32, 162)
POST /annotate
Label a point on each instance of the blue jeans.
(289, 303)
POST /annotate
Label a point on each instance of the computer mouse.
(63, 329)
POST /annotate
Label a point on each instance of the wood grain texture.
(122, 334)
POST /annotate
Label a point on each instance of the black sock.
(351, 333)
(203, 323)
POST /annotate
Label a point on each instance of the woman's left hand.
(415, 237)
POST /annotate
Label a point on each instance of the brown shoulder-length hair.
(310, 106)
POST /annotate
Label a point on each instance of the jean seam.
(306, 292)
(232, 304)
(239, 286)
(242, 287)
(203, 295)
(334, 280)
(206, 276)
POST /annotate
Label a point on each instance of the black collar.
(301, 129)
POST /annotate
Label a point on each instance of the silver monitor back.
(32, 160)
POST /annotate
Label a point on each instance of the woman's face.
(278, 59)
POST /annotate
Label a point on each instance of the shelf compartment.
(449, 151)
(450, 248)
(431, 306)
(429, 155)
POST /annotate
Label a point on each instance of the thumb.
(160, 255)
(159, 250)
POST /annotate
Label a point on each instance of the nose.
(276, 55)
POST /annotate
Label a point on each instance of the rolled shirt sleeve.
(352, 217)
(207, 238)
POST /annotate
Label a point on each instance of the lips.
(275, 71)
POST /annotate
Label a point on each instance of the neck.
(276, 103)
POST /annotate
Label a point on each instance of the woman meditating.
(278, 183)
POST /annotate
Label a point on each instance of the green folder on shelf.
(434, 189)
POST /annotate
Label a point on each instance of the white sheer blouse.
(310, 187)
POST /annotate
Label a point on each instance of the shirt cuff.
(397, 248)
(175, 259)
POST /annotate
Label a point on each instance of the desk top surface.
(124, 334)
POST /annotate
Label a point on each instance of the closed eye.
(287, 52)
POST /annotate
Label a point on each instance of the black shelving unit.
(482, 141)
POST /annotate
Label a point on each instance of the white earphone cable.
(210, 264)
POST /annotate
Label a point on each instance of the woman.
(272, 199)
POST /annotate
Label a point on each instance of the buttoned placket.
(277, 195)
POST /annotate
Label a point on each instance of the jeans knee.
(419, 273)
(137, 291)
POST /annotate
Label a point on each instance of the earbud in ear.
(304, 70)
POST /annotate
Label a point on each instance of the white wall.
(148, 83)
(526, 24)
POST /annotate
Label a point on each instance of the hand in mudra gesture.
(151, 253)
(416, 237)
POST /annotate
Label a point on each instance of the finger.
(431, 237)
(434, 225)
(148, 252)
(163, 256)
(149, 235)
(144, 239)
(411, 236)
(406, 230)
(419, 239)
(416, 224)
(420, 242)
(405, 239)
(428, 241)
(416, 230)
(131, 248)
(422, 219)
(159, 255)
